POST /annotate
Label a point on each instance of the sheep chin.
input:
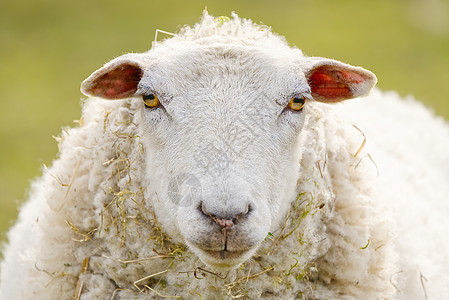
(223, 260)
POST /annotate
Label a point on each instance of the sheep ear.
(332, 81)
(118, 79)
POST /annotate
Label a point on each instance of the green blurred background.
(47, 47)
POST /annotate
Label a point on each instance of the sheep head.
(223, 107)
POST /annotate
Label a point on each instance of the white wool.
(330, 217)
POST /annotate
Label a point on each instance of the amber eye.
(150, 100)
(296, 103)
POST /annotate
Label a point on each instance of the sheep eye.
(150, 100)
(297, 103)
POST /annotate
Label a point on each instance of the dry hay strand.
(203, 17)
(297, 213)
(422, 279)
(203, 272)
(44, 271)
(106, 120)
(308, 210)
(119, 219)
(54, 275)
(160, 31)
(117, 290)
(392, 281)
(276, 240)
(159, 294)
(86, 236)
(321, 165)
(72, 179)
(147, 277)
(142, 290)
(366, 246)
(137, 260)
(231, 285)
(371, 159)
(69, 185)
(54, 176)
(80, 283)
(363, 142)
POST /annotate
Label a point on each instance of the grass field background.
(47, 47)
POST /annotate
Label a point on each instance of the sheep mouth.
(224, 254)
(224, 259)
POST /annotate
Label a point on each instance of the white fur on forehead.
(235, 29)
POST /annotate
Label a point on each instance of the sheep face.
(221, 128)
(227, 141)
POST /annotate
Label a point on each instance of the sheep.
(229, 166)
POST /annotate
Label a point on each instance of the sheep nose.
(223, 223)
(225, 219)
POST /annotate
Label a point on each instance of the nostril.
(225, 219)
(248, 209)
(224, 223)
(202, 209)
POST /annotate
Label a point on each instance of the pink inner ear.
(118, 83)
(331, 85)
